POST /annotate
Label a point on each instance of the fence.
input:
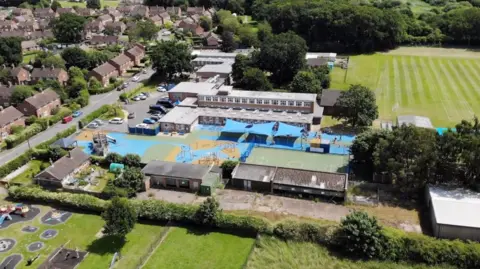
(144, 131)
(152, 247)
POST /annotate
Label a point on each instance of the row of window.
(254, 101)
(217, 120)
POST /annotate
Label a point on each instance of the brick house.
(22, 12)
(141, 11)
(44, 25)
(212, 39)
(118, 27)
(191, 25)
(17, 75)
(15, 33)
(5, 95)
(8, 25)
(85, 11)
(116, 15)
(121, 63)
(41, 104)
(103, 73)
(64, 10)
(157, 20)
(28, 26)
(40, 13)
(195, 10)
(63, 169)
(52, 73)
(101, 40)
(38, 35)
(95, 26)
(29, 45)
(125, 10)
(9, 117)
(105, 18)
(156, 10)
(25, 18)
(136, 54)
(165, 17)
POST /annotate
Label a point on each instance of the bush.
(111, 191)
(208, 211)
(30, 120)
(123, 97)
(113, 157)
(95, 114)
(132, 160)
(120, 217)
(227, 168)
(14, 140)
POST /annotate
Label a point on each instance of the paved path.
(95, 102)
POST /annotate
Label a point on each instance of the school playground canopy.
(266, 129)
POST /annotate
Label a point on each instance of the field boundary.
(255, 243)
(153, 247)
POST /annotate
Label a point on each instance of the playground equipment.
(209, 159)
(100, 143)
(320, 145)
(18, 209)
(5, 217)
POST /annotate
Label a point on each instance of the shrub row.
(95, 114)
(109, 88)
(25, 157)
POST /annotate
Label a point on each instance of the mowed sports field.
(441, 86)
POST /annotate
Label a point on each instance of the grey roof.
(104, 69)
(310, 179)
(120, 59)
(47, 72)
(192, 87)
(41, 99)
(317, 61)
(64, 142)
(418, 121)
(178, 170)
(104, 39)
(9, 115)
(180, 115)
(330, 97)
(28, 44)
(6, 92)
(65, 165)
(216, 68)
(254, 172)
(455, 206)
(136, 51)
(289, 96)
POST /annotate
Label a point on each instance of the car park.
(156, 117)
(148, 121)
(131, 115)
(161, 89)
(136, 98)
(77, 113)
(116, 121)
(165, 102)
(92, 125)
(160, 108)
(146, 94)
(142, 97)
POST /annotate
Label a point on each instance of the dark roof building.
(328, 102)
(5, 95)
(104, 39)
(63, 168)
(42, 99)
(63, 10)
(178, 170)
(49, 73)
(9, 115)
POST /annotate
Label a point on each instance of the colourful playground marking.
(87, 135)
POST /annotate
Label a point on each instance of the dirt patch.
(393, 216)
(87, 135)
(168, 196)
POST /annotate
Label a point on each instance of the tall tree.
(76, 57)
(205, 3)
(48, 59)
(120, 217)
(20, 93)
(283, 55)
(236, 6)
(358, 105)
(11, 50)
(94, 4)
(171, 58)
(254, 79)
(239, 67)
(144, 30)
(264, 31)
(228, 42)
(206, 23)
(55, 5)
(248, 37)
(305, 82)
(68, 28)
(132, 179)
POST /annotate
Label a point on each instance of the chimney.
(52, 67)
(51, 163)
(43, 67)
(9, 84)
(69, 154)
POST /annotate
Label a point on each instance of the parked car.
(135, 78)
(131, 115)
(142, 97)
(141, 125)
(116, 121)
(92, 125)
(136, 98)
(165, 102)
(146, 94)
(161, 89)
(67, 119)
(77, 113)
(144, 71)
(160, 108)
(98, 121)
(148, 121)
(156, 117)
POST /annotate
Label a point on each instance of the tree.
(4, 76)
(359, 107)
(144, 30)
(264, 31)
(75, 72)
(75, 86)
(228, 42)
(132, 160)
(94, 4)
(76, 57)
(236, 6)
(11, 50)
(283, 55)
(361, 235)
(109, 30)
(68, 28)
(113, 157)
(96, 57)
(171, 58)
(131, 179)
(120, 217)
(20, 93)
(305, 82)
(239, 67)
(207, 213)
(206, 23)
(254, 79)
(55, 153)
(47, 60)
(227, 168)
(322, 73)
(205, 3)
(94, 84)
(248, 37)
(55, 5)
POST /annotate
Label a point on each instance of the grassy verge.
(113, 112)
(278, 254)
(29, 56)
(26, 177)
(194, 248)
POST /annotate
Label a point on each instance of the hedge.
(109, 88)
(95, 114)
(401, 246)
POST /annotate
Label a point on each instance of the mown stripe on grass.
(382, 89)
(475, 74)
(434, 78)
(471, 86)
(423, 90)
(408, 87)
(390, 97)
(397, 85)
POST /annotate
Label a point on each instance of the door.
(247, 185)
(195, 185)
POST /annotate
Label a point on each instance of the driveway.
(95, 103)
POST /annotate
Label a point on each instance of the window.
(244, 101)
(307, 104)
(274, 102)
(266, 102)
(251, 101)
(291, 103)
(283, 103)
(237, 100)
(230, 100)
(223, 99)
(258, 101)
(215, 99)
(299, 103)
(208, 98)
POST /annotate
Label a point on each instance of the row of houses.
(119, 65)
(18, 75)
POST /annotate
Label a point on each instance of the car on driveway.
(148, 121)
(116, 121)
(77, 113)
(131, 115)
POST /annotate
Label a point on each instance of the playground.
(234, 141)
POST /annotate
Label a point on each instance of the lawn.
(446, 89)
(278, 254)
(84, 4)
(29, 56)
(186, 248)
(26, 177)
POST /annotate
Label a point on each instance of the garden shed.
(116, 167)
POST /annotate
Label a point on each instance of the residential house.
(118, 27)
(6, 95)
(41, 104)
(157, 20)
(17, 75)
(40, 13)
(141, 11)
(103, 73)
(136, 54)
(195, 18)
(85, 11)
(22, 12)
(105, 18)
(52, 73)
(165, 17)
(9, 117)
(210, 12)
(64, 10)
(156, 10)
(43, 25)
(39, 35)
(121, 63)
(28, 26)
(131, 25)
(191, 25)
(116, 15)
(108, 10)
(61, 171)
(212, 39)
(95, 26)
(195, 10)
(174, 11)
(29, 45)
(25, 18)
(125, 10)
(4, 14)
(102, 40)
(8, 25)
(15, 33)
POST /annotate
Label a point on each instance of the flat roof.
(311, 55)
(189, 102)
(180, 115)
(216, 68)
(192, 87)
(178, 170)
(419, 121)
(254, 172)
(455, 206)
(311, 97)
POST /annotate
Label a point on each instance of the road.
(96, 102)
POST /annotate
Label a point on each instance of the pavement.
(96, 102)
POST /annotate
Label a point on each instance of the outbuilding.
(453, 212)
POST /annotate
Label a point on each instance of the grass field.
(274, 253)
(186, 248)
(446, 89)
(84, 4)
(298, 159)
(80, 231)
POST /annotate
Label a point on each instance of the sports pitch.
(446, 89)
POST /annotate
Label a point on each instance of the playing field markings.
(453, 81)
(422, 92)
(434, 82)
(386, 102)
(468, 90)
(397, 85)
(380, 92)
(476, 74)
(408, 88)
(443, 89)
